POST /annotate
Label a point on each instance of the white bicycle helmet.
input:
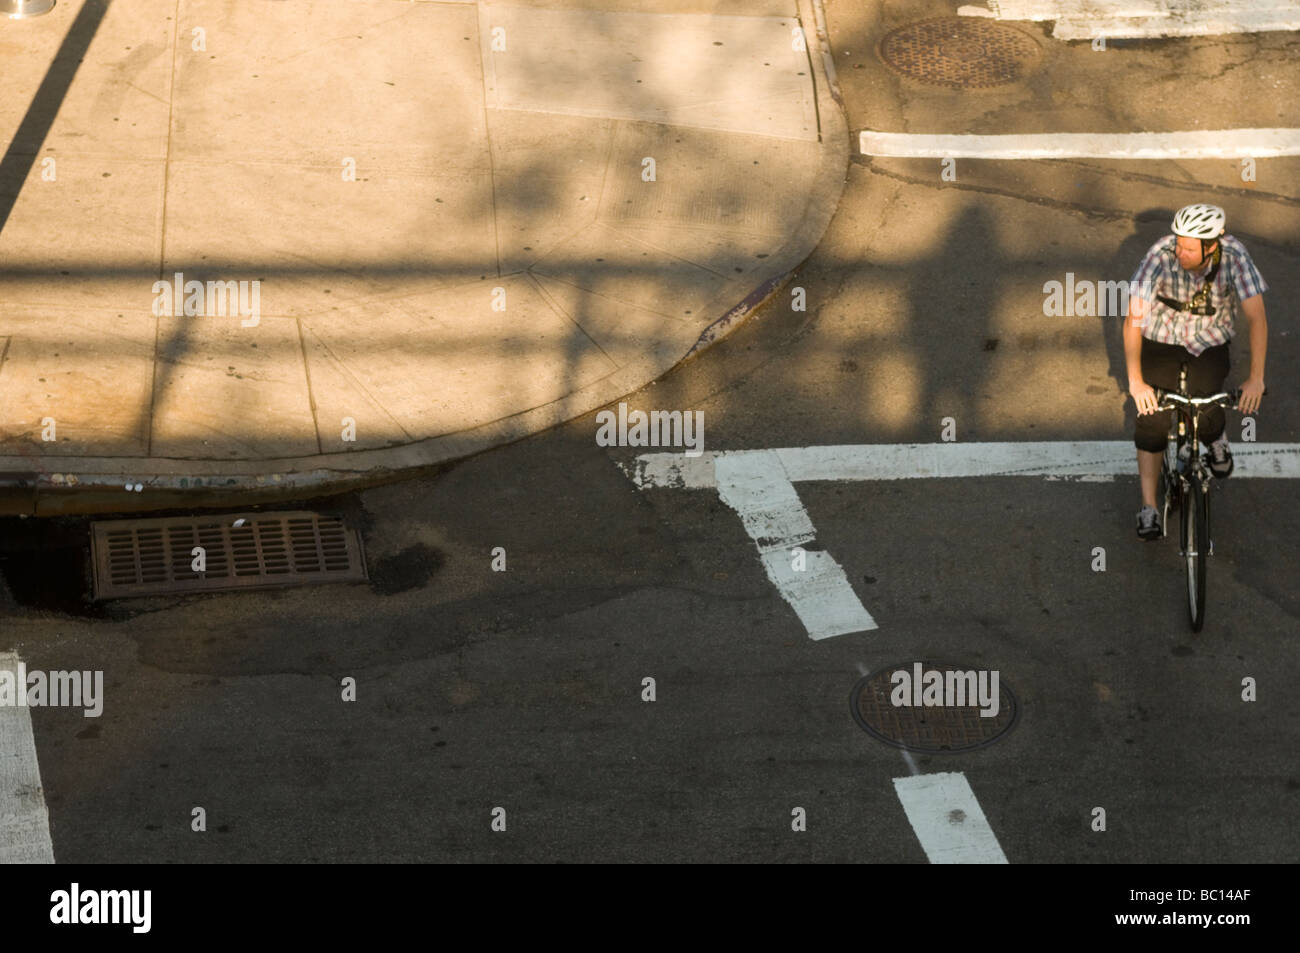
(1200, 221)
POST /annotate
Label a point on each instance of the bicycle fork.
(1181, 474)
(1180, 478)
(1204, 497)
(1172, 474)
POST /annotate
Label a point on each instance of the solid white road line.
(1105, 9)
(948, 820)
(1095, 460)
(1147, 18)
(756, 487)
(1101, 460)
(24, 820)
(1200, 144)
(1246, 21)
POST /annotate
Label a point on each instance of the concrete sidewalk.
(439, 221)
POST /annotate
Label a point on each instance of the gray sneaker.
(1148, 527)
(1220, 461)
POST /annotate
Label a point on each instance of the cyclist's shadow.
(952, 299)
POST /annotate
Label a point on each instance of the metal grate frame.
(268, 550)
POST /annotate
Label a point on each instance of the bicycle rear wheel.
(1195, 549)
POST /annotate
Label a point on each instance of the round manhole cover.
(961, 52)
(934, 706)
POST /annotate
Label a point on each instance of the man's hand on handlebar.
(1251, 392)
(1144, 395)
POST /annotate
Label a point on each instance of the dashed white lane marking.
(24, 820)
(1200, 144)
(756, 487)
(948, 820)
(1147, 18)
(759, 486)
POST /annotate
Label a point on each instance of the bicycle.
(1186, 480)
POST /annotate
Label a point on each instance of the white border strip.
(1200, 144)
(24, 819)
(948, 820)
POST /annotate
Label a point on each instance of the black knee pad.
(1212, 424)
(1152, 431)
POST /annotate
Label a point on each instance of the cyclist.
(1183, 304)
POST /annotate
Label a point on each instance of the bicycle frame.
(1189, 483)
(1187, 415)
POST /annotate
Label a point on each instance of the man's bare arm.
(1143, 395)
(1253, 389)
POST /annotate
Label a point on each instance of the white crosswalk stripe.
(1088, 19)
(1079, 460)
(24, 819)
(1197, 144)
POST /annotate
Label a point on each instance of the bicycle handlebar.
(1224, 398)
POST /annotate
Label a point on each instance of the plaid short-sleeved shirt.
(1161, 274)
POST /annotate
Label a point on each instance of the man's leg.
(1151, 437)
(1160, 364)
(1206, 374)
(1149, 475)
(1159, 369)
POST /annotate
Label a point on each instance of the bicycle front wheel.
(1195, 549)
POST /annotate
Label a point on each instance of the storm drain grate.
(255, 550)
(939, 728)
(960, 52)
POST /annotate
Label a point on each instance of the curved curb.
(30, 485)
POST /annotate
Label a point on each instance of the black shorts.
(1206, 373)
